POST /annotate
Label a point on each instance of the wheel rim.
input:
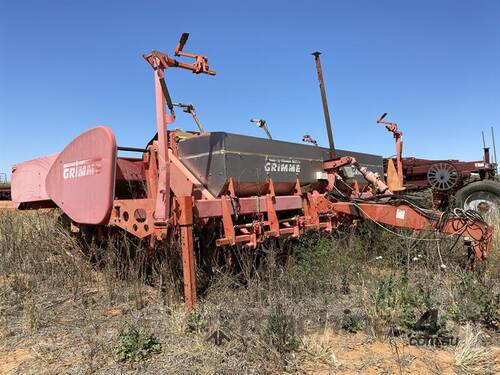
(442, 176)
(484, 202)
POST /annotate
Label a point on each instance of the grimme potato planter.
(242, 190)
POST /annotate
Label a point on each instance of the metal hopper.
(250, 161)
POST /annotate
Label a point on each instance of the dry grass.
(318, 354)
(471, 356)
(59, 313)
(4, 205)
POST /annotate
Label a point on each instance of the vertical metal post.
(399, 159)
(486, 151)
(325, 103)
(162, 202)
(486, 155)
(187, 243)
(494, 145)
(494, 150)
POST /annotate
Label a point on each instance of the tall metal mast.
(325, 103)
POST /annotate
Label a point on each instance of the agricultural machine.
(4, 187)
(464, 184)
(236, 190)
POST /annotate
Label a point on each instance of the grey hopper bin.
(250, 161)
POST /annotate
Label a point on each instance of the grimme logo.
(282, 165)
(81, 168)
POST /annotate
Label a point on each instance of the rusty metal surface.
(133, 215)
(398, 137)
(445, 177)
(415, 170)
(185, 220)
(251, 189)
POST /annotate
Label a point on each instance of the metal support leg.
(188, 260)
(162, 202)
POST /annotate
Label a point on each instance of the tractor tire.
(481, 196)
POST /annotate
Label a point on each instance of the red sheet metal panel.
(28, 180)
(81, 180)
(129, 169)
(247, 205)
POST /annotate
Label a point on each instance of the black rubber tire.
(490, 186)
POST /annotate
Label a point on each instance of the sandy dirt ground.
(349, 353)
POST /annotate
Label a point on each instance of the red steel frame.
(175, 198)
(311, 210)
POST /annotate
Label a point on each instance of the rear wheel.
(481, 196)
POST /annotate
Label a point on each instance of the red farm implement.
(4, 187)
(463, 184)
(241, 190)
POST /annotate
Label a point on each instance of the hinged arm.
(159, 62)
(398, 136)
(475, 231)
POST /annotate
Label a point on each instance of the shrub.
(280, 331)
(476, 302)
(396, 303)
(351, 321)
(196, 321)
(134, 344)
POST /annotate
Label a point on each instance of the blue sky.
(66, 66)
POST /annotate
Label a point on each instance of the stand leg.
(188, 261)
